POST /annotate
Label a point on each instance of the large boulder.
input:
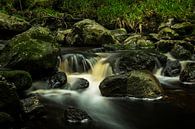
(58, 80)
(141, 84)
(132, 60)
(21, 79)
(34, 51)
(11, 25)
(89, 33)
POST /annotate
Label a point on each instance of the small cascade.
(76, 63)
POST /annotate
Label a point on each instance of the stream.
(163, 112)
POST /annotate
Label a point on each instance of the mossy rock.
(143, 84)
(11, 25)
(179, 52)
(167, 33)
(21, 79)
(34, 51)
(138, 41)
(89, 33)
(184, 28)
(140, 84)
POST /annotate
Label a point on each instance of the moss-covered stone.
(184, 28)
(89, 33)
(34, 51)
(140, 84)
(143, 84)
(138, 41)
(179, 52)
(11, 25)
(167, 33)
(21, 79)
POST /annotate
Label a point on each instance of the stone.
(120, 34)
(9, 100)
(89, 33)
(168, 34)
(184, 28)
(21, 79)
(188, 74)
(80, 84)
(11, 25)
(172, 68)
(179, 52)
(136, 83)
(58, 80)
(34, 51)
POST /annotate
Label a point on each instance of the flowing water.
(111, 113)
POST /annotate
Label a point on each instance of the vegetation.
(118, 13)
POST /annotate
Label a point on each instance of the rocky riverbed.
(88, 76)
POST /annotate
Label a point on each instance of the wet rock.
(89, 33)
(58, 80)
(184, 28)
(6, 121)
(167, 45)
(80, 84)
(179, 52)
(76, 117)
(172, 68)
(21, 79)
(33, 108)
(187, 75)
(61, 34)
(11, 25)
(34, 51)
(137, 41)
(132, 60)
(9, 100)
(114, 86)
(141, 84)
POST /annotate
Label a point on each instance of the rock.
(132, 60)
(89, 33)
(9, 100)
(137, 41)
(168, 34)
(140, 84)
(58, 80)
(188, 74)
(2, 44)
(21, 79)
(80, 84)
(6, 121)
(74, 116)
(184, 28)
(11, 25)
(120, 34)
(33, 108)
(143, 84)
(179, 52)
(114, 86)
(172, 68)
(34, 51)
(167, 45)
(61, 34)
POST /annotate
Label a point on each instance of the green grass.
(124, 12)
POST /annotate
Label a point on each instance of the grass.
(122, 12)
